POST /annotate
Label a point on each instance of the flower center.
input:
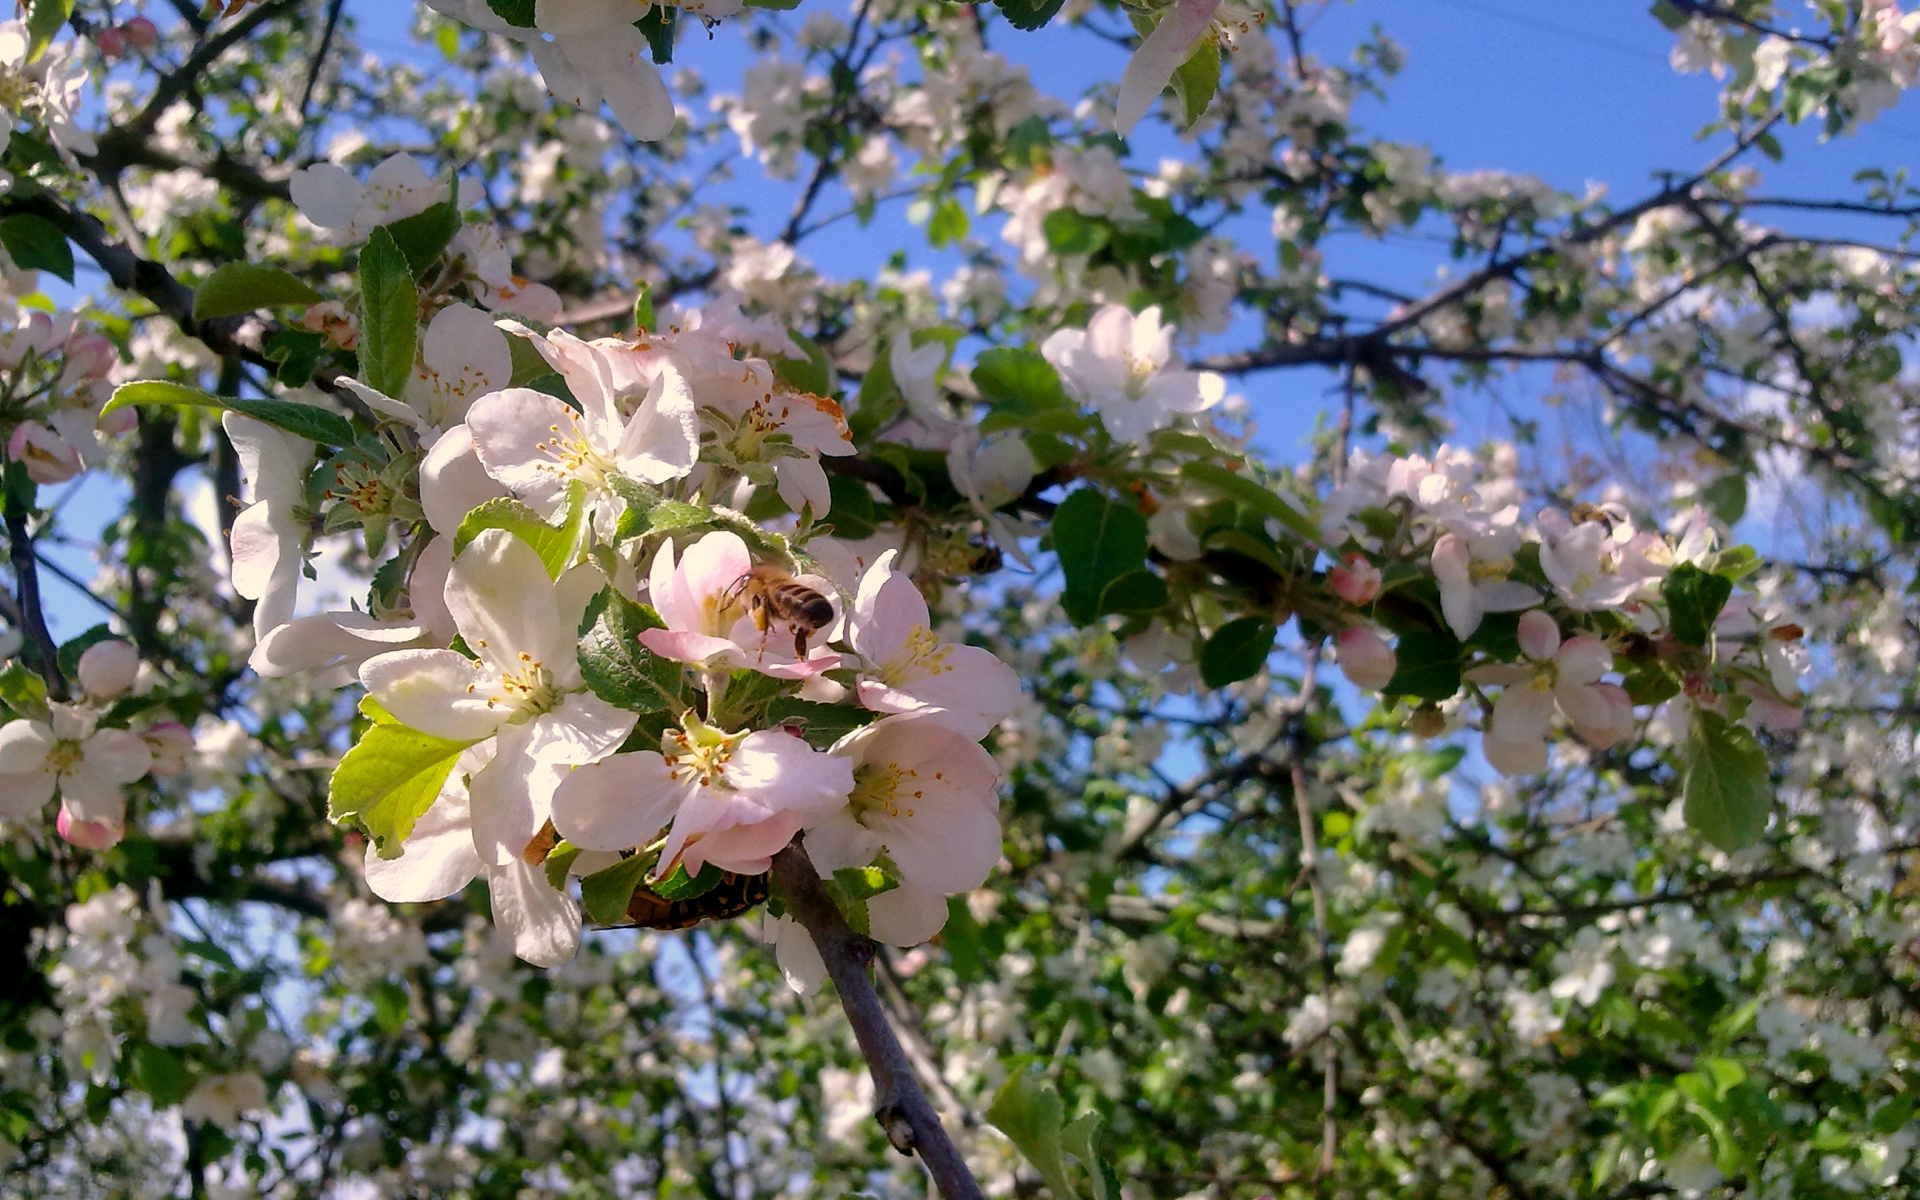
(574, 457)
(923, 655)
(64, 757)
(699, 753)
(528, 688)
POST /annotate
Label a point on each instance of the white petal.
(437, 859)
(617, 803)
(542, 922)
(434, 691)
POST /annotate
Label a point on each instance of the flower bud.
(1428, 721)
(107, 669)
(1356, 581)
(142, 32)
(170, 742)
(112, 42)
(1365, 658)
(44, 453)
(88, 835)
(1539, 634)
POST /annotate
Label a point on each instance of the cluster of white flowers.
(690, 418)
(85, 752)
(1595, 571)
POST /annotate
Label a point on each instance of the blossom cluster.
(1578, 616)
(86, 751)
(618, 670)
(55, 377)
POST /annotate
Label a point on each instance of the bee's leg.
(800, 641)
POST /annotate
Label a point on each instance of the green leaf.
(659, 26)
(852, 511)
(1728, 792)
(1133, 594)
(518, 13)
(302, 420)
(556, 546)
(1261, 499)
(643, 314)
(1097, 541)
(1668, 14)
(388, 779)
(389, 315)
(1694, 598)
(618, 668)
(606, 894)
(43, 25)
(1028, 14)
(242, 287)
(681, 886)
(36, 244)
(1726, 497)
(1011, 374)
(297, 351)
(821, 724)
(391, 1006)
(1078, 1137)
(23, 692)
(1197, 79)
(1237, 650)
(1070, 232)
(159, 1073)
(1428, 665)
(812, 374)
(948, 224)
(424, 236)
(1029, 1112)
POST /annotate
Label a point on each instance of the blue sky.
(1575, 93)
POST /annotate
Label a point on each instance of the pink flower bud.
(169, 742)
(1356, 581)
(1365, 658)
(142, 33)
(90, 355)
(107, 669)
(112, 42)
(1539, 634)
(44, 453)
(88, 835)
(120, 420)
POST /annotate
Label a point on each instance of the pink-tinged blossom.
(1585, 564)
(45, 454)
(1558, 675)
(107, 669)
(96, 836)
(1469, 590)
(1160, 54)
(525, 690)
(88, 766)
(703, 600)
(1365, 658)
(170, 743)
(731, 799)
(806, 427)
(907, 668)
(1355, 580)
(270, 532)
(925, 795)
(1121, 366)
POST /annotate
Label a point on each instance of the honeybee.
(773, 595)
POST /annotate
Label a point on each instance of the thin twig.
(899, 1104)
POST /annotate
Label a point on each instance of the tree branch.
(898, 1103)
